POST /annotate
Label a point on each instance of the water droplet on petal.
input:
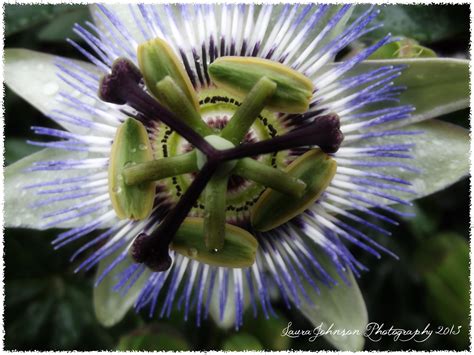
(192, 252)
(50, 89)
(142, 147)
(117, 190)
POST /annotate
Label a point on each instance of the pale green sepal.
(441, 153)
(435, 86)
(33, 76)
(341, 307)
(19, 213)
(111, 306)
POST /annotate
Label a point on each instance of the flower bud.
(273, 208)
(157, 60)
(239, 249)
(131, 146)
(238, 75)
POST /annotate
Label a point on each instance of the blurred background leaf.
(426, 24)
(54, 21)
(48, 307)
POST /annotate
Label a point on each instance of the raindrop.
(215, 250)
(50, 89)
(143, 147)
(133, 150)
(117, 190)
(192, 252)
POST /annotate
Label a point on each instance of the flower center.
(217, 108)
(216, 153)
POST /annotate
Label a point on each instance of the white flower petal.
(18, 199)
(33, 76)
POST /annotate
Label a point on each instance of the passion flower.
(239, 150)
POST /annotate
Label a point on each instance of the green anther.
(161, 168)
(157, 60)
(249, 110)
(273, 208)
(270, 177)
(239, 250)
(171, 95)
(131, 146)
(214, 213)
(220, 144)
(238, 75)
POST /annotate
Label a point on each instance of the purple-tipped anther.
(151, 251)
(323, 132)
(121, 87)
(124, 74)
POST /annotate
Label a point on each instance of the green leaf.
(109, 305)
(18, 200)
(21, 17)
(242, 342)
(269, 332)
(426, 24)
(435, 86)
(441, 153)
(61, 27)
(154, 337)
(405, 48)
(443, 263)
(33, 76)
(16, 148)
(341, 307)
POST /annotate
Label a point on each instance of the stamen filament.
(121, 87)
(214, 212)
(324, 132)
(270, 177)
(160, 168)
(249, 110)
(170, 94)
(152, 250)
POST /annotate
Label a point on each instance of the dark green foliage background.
(48, 307)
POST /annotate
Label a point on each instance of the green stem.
(270, 177)
(246, 114)
(214, 212)
(170, 95)
(160, 168)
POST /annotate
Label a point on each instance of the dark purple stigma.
(124, 74)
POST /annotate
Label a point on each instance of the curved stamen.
(323, 132)
(121, 87)
(152, 250)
